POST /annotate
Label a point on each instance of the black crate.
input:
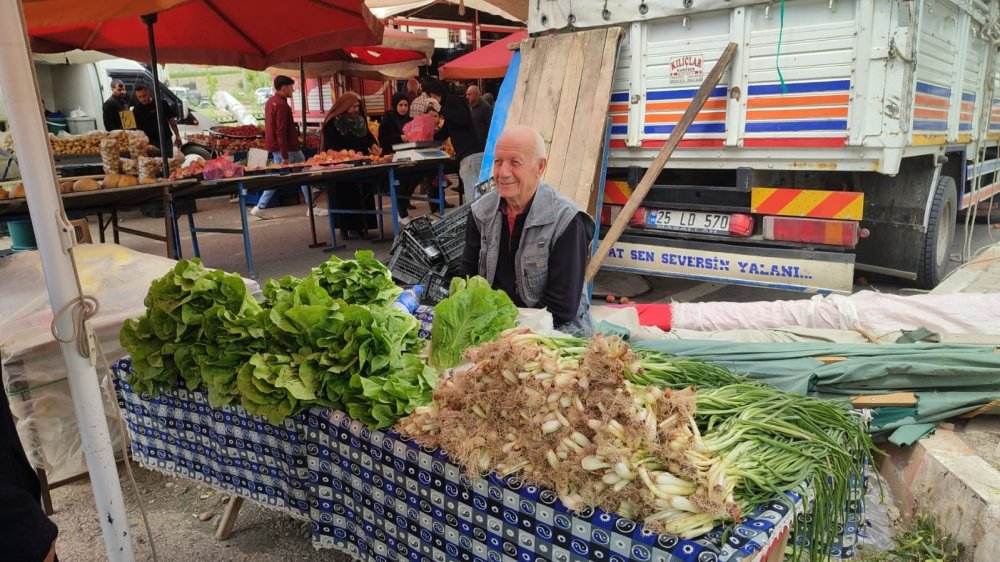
(452, 248)
(420, 227)
(410, 260)
(452, 223)
(436, 286)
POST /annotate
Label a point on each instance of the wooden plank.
(549, 90)
(586, 195)
(777, 552)
(520, 92)
(567, 111)
(711, 80)
(895, 399)
(827, 360)
(539, 99)
(573, 172)
(228, 520)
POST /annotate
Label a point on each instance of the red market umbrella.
(252, 34)
(40, 13)
(398, 56)
(490, 61)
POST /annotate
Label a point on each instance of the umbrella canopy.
(246, 33)
(489, 62)
(44, 13)
(398, 57)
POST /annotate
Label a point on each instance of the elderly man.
(528, 240)
(482, 112)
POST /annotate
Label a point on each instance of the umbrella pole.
(305, 109)
(54, 235)
(149, 20)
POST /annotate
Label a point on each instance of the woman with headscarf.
(390, 132)
(345, 127)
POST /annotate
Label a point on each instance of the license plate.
(688, 221)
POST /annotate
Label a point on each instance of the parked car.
(193, 97)
(263, 94)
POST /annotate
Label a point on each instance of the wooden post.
(657, 166)
(229, 518)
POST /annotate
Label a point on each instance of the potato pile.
(89, 143)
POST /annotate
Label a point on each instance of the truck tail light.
(610, 212)
(740, 225)
(813, 231)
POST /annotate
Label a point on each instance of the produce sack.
(421, 128)
(219, 168)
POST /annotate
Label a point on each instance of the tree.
(212, 83)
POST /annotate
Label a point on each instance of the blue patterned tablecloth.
(225, 448)
(380, 498)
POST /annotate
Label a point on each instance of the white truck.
(846, 133)
(85, 85)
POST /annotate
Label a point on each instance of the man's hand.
(375, 150)
(178, 143)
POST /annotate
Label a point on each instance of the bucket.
(56, 125)
(21, 236)
(81, 125)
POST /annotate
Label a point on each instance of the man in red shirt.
(281, 136)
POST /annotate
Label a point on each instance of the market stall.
(386, 174)
(322, 400)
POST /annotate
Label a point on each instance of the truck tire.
(936, 244)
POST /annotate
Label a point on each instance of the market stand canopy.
(514, 10)
(490, 61)
(245, 33)
(399, 56)
(45, 13)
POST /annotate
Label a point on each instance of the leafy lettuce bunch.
(198, 323)
(473, 313)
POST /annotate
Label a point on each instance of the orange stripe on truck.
(804, 113)
(683, 105)
(843, 205)
(795, 101)
(617, 192)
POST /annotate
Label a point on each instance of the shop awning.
(400, 56)
(490, 61)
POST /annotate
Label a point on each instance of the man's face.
(144, 97)
(287, 91)
(515, 169)
(472, 95)
(118, 90)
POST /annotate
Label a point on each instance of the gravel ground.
(183, 517)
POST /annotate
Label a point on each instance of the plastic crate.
(410, 259)
(452, 248)
(422, 228)
(436, 286)
(452, 223)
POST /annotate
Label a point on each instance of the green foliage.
(212, 83)
(924, 541)
(329, 339)
(198, 322)
(474, 313)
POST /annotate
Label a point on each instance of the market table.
(327, 176)
(105, 200)
(378, 497)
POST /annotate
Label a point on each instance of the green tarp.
(949, 380)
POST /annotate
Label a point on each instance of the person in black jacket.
(114, 106)
(390, 132)
(26, 534)
(458, 125)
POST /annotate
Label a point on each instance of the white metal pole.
(27, 120)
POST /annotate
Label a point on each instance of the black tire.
(935, 247)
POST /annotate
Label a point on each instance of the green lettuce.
(363, 280)
(474, 313)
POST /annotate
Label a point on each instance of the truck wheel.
(936, 246)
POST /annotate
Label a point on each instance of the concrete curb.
(942, 477)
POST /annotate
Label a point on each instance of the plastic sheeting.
(867, 311)
(949, 380)
(34, 375)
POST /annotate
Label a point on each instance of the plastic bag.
(219, 168)
(421, 128)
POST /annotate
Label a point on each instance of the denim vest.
(549, 216)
